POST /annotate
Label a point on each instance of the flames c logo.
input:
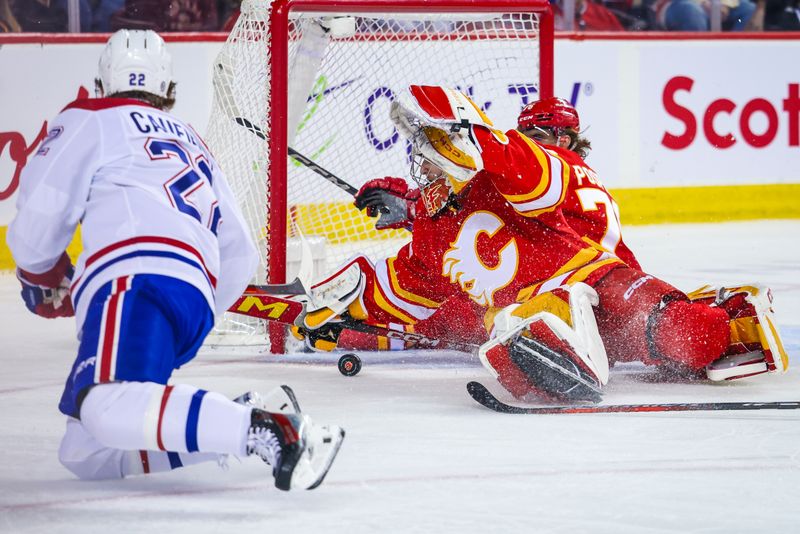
(462, 263)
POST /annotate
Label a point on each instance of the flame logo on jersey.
(462, 263)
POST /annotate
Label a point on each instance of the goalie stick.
(308, 162)
(255, 302)
(485, 398)
(226, 99)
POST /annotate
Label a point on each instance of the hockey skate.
(279, 400)
(755, 346)
(300, 452)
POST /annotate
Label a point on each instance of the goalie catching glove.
(549, 347)
(47, 294)
(390, 200)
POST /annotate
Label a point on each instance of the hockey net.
(319, 77)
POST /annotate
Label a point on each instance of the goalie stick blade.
(270, 307)
(295, 287)
(485, 398)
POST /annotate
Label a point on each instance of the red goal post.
(318, 76)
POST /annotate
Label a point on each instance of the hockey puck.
(349, 365)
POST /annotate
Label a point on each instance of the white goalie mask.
(135, 60)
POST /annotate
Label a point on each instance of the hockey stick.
(308, 162)
(263, 305)
(226, 99)
(484, 397)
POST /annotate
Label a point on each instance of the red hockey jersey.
(591, 211)
(507, 240)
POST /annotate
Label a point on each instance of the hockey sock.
(88, 459)
(181, 418)
(145, 462)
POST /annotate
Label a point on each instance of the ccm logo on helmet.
(724, 106)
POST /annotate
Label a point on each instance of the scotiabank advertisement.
(686, 113)
(658, 112)
(736, 123)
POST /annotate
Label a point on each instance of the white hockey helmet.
(135, 60)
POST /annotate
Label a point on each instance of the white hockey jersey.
(148, 194)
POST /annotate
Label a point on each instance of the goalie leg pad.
(538, 352)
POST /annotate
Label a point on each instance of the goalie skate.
(755, 345)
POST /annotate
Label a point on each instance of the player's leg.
(755, 342)
(136, 332)
(645, 319)
(88, 459)
(642, 318)
(549, 347)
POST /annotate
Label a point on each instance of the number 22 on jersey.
(189, 191)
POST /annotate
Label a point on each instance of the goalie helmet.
(444, 157)
(553, 113)
(135, 60)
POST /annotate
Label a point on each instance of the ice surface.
(420, 456)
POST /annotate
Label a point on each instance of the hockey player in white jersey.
(164, 250)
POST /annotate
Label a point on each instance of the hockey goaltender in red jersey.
(490, 224)
(588, 208)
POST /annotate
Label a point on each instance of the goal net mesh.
(344, 70)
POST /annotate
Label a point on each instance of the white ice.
(421, 456)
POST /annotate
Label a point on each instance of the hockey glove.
(390, 200)
(47, 294)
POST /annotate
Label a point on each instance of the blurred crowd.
(111, 15)
(589, 15)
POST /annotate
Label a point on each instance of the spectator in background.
(590, 15)
(695, 15)
(40, 15)
(95, 14)
(51, 15)
(167, 15)
(781, 15)
(8, 22)
(229, 11)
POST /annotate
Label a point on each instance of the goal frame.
(279, 98)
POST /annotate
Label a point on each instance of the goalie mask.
(435, 185)
(444, 154)
(135, 60)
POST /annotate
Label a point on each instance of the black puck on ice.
(349, 364)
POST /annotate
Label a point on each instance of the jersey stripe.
(146, 239)
(97, 104)
(395, 301)
(105, 366)
(145, 462)
(164, 400)
(192, 419)
(555, 192)
(139, 254)
(174, 460)
(402, 293)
